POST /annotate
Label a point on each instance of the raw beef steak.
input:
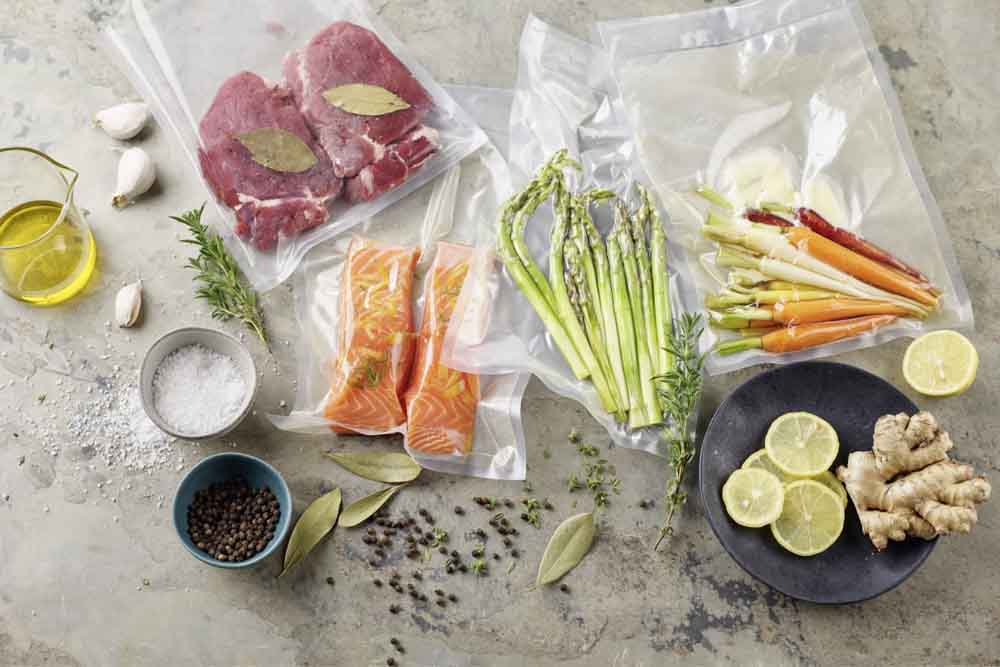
(345, 53)
(394, 166)
(268, 203)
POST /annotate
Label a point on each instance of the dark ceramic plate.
(851, 400)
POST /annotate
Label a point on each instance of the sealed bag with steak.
(303, 118)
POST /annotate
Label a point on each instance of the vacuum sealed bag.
(563, 101)
(373, 311)
(782, 114)
(306, 119)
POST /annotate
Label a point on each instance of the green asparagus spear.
(639, 223)
(625, 328)
(650, 405)
(564, 308)
(661, 284)
(534, 194)
(606, 311)
(550, 171)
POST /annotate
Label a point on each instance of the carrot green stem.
(714, 197)
(740, 345)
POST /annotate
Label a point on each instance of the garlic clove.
(128, 304)
(136, 174)
(123, 121)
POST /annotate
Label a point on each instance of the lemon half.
(941, 363)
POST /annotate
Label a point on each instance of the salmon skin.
(375, 338)
(441, 402)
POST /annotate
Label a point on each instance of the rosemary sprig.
(680, 390)
(221, 285)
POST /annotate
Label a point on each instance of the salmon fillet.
(375, 338)
(441, 402)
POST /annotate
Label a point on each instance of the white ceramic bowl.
(213, 340)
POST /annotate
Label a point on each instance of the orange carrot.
(804, 336)
(858, 265)
(826, 310)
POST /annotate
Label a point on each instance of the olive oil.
(46, 256)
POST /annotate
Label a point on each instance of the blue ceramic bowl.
(220, 468)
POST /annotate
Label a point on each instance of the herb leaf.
(568, 545)
(221, 285)
(680, 391)
(360, 510)
(388, 467)
(365, 99)
(278, 149)
(318, 520)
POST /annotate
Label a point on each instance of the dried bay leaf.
(566, 548)
(360, 510)
(318, 520)
(365, 99)
(278, 149)
(388, 467)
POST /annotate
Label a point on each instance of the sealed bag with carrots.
(807, 225)
(372, 313)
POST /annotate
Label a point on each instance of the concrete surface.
(91, 572)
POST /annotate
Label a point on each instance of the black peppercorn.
(329, 580)
(452, 597)
(459, 510)
(564, 588)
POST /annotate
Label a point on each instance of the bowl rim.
(703, 491)
(279, 536)
(147, 400)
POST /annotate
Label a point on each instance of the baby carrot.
(858, 265)
(805, 336)
(765, 217)
(819, 224)
(826, 310)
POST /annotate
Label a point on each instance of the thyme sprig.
(680, 390)
(221, 285)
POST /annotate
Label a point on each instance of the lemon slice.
(941, 363)
(830, 481)
(801, 444)
(811, 520)
(761, 460)
(753, 497)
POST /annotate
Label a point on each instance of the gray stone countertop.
(92, 573)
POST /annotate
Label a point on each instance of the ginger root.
(907, 486)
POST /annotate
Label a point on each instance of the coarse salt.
(198, 391)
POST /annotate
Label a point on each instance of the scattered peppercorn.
(643, 504)
(452, 597)
(418, 576)
(459, 510)
(394, 641)
(514, 553)
(564, 588)
(329, 580)
(377, 582)
(391, 662)
(440, 602)
(394, 609)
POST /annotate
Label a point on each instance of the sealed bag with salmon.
(373, 313)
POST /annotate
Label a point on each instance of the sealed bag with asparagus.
(584, 295)
(807, 224)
